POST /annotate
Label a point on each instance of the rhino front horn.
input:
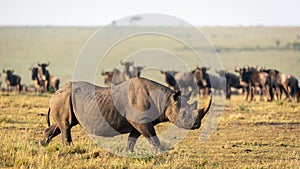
(205, 109)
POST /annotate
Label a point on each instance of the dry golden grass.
(250, 135)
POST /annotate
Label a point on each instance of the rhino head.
(183, 114)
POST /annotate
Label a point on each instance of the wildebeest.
(201, 78)
(280, 82)
(185, 81)
(254, 78)
(137, 71)
(232, 80)
(39, 81)
(54, 83)
(12, 80)
(38, 85)
(170, 79)
(113, 77)
(116, 76)
(0, 81)
(293, 85)
(126, 74)
(44, 75)
(218, 83)
(208, 81)
(134, 107)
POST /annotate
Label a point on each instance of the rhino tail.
(48, 117)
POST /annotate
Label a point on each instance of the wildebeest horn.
(4, 71)
(38, 63)
(202, 112)
(30, 68)
(48, 64)
(121, 61)
(12, 71)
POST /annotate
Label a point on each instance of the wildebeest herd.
(269, 83)
(43, 81)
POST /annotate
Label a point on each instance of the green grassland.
(249, 135)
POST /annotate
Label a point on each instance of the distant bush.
(296, 46)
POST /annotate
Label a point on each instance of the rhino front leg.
(50, 133)
(132, 138)
(148, 131)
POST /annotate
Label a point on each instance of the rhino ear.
(188, 95)
(176, 95)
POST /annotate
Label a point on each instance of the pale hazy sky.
(196, 12)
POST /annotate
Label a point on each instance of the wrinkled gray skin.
(134, 107)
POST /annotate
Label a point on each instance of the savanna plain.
(256, 134)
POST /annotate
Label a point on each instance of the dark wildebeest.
(201, 78)
(12, 80)
(293, 85)
(134, 107)
(254, 78)
(232, 80)
(170, 79)
(38, 85)
(39, 81)
(206, 81)
(44, 75)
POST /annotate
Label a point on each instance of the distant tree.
(134, 19)
(296, 46)
(277, 43)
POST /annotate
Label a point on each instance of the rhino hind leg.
(50, 133)
(65, 129)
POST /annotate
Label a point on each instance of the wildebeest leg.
(262, 89)
(50, 133)
(228, 92)
(147, 130)
(285, 90)
(132, 138)
(252, 88)
(248, 88)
